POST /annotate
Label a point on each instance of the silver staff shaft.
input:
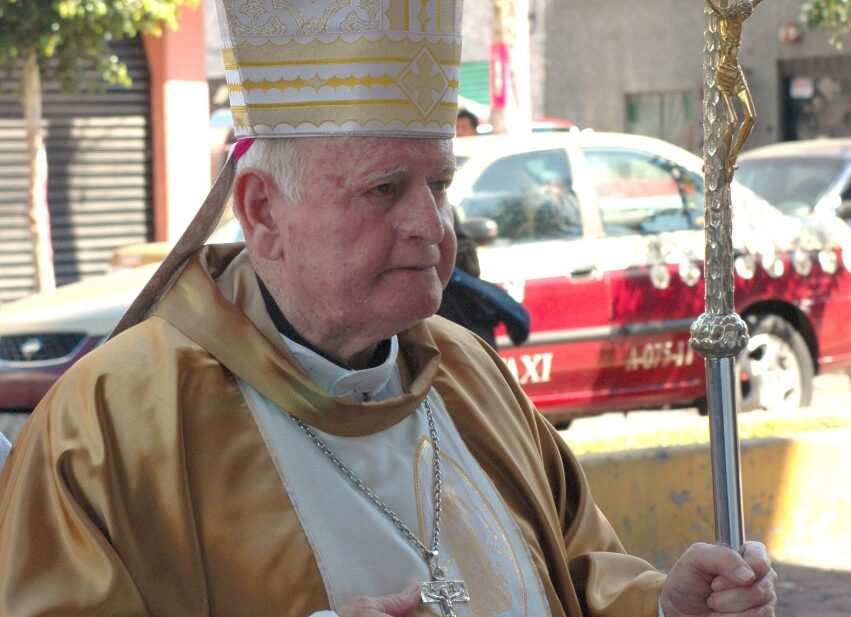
(719, 334)
(724, 446)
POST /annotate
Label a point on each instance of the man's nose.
(421, 218)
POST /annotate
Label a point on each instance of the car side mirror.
(480, 229)
(844, 210)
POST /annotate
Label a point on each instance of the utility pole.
(510, 67)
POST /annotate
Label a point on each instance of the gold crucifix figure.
(731, 79)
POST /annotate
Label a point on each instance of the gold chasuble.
(143, 484)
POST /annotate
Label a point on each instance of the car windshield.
(793, 185)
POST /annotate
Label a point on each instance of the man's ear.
(255, 194)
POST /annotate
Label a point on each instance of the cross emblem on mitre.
(424, 81)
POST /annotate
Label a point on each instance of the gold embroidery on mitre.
(273, 27)
(449, 13)
(395, 13)
(345, 58)
(316, 82)
(387, 112)
(254, 10)
(339, 51)
(421, 79)
(423, 17)
(338, 16)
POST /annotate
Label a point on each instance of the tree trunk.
(37, 212)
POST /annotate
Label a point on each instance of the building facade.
(637, 67)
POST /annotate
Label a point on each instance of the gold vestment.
(141, 485)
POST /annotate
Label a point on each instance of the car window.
(642, 193)
(793, 185)
(529, 196)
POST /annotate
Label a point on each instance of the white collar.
(371, 384)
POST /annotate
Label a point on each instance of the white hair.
(281, 158)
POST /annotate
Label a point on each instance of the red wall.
(179, 123)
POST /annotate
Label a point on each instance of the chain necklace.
(438, 590)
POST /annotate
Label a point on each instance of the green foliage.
(70, 37)
(834, 15)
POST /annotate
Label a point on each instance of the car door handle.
(585, 272)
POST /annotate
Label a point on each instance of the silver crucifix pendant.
(446, 593)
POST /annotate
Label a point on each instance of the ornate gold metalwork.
(730, 78)
(719, 332)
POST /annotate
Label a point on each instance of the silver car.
(801, 177)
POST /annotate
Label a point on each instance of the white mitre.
(354, 67)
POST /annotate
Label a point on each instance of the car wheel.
(563, 425)
(776, 370)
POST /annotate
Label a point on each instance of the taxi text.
(533, 368)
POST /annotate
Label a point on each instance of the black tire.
(776, 370)
(563, 425)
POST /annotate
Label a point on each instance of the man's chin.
(410, 314)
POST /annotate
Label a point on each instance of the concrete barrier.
(796, 494)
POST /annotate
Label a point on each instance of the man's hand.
(402, 604)
(709, 580)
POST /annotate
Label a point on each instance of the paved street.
(812, 590)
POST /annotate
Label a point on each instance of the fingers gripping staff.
(710, 580)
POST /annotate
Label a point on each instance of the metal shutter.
(99, 164)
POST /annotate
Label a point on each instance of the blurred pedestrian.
(466, 123)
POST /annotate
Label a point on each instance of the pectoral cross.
(446, 593)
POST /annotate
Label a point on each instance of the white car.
(801, 177)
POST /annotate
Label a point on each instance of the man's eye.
(441, 185)
(383, 190)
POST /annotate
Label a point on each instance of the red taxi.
(601, 237)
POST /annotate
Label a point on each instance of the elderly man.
(288, 431)
(466, 123)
